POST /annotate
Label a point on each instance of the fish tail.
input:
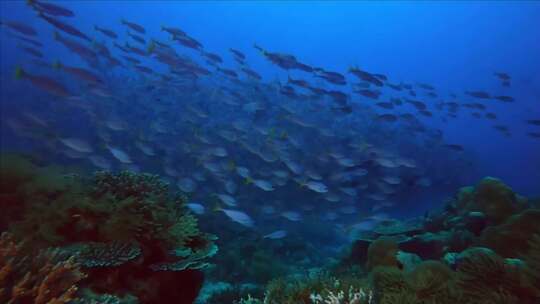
(19, 73)
(248, 180)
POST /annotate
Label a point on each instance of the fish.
(387, 118)
(120, 155)
(227, 199)
(369, 93)
(82, 74)
(139, 39)
(33, 52)
(187, 185)
(196, 208)
(365, 76)
(535, 122)
(50, 8)
(77, 144)
(385, 105)
(491, 116)
(173, 31)
(478, 94)
(134, 26)
(502, 76)
(454, 147)
(292, 216)
(43, 82)
(106, 32)
(75, 47)
(278, 234)
(239, 217)
(263, 184)
(19, 27)
(213, 57)
(316, 186)
(237, 54)
(505, 98)
(66, 28)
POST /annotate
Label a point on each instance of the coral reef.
(483, 247)
(125, 238)
(40, 278)
(129, 235)
(382, 252)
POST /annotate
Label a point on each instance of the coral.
(393, 227)
(382, 252)
(249, 300)
(532, 260)
(495, 199)
(351, 297)
(409, 261)
(511, 239)
(36, 278)
(387, 281)
(129, 234)
(431, 281)
(303, 289)
(428, 245)
(91, 255)
(486, 277)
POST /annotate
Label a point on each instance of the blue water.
(455, 47)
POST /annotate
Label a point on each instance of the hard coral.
(495, 199)
(382, 252)
(486, 278)
(511, 239)
(129, 233)
(38, 279)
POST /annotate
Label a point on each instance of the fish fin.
(19, 73)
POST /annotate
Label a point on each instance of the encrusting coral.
(38, 278)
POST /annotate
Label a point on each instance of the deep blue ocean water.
(456, 47)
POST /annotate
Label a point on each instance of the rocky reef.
(111, 238)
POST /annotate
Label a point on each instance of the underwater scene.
(276, 152)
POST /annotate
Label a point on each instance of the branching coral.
(314, 287)
(353, 296)
(38, 279)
